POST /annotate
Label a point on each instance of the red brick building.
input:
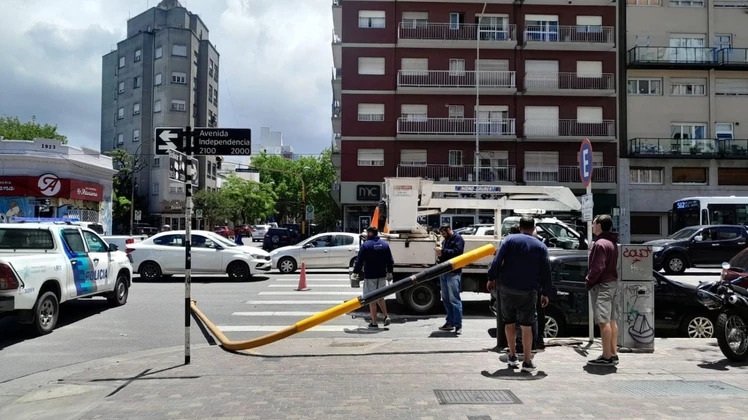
(417, 84)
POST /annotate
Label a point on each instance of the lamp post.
(135, 162)
(303, 193)
(476, 160)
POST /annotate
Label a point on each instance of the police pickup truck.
(43, 265)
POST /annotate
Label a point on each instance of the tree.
(216, 206)
(127, 167)
(12, 128)
(252, 200)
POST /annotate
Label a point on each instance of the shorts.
(371, 285)
(518, 306)
(605, 302)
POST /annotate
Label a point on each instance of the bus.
(695, 211)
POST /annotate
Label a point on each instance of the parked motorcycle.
(729, 296)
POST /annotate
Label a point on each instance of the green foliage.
(238, 200)
(127, 165)
(12, 128)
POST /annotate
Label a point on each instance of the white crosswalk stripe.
(310, 293)
(274, 313)
(309, 284)
(294, 302)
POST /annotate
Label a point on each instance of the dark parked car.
(676, 307)
(224, 231)
(697, 246)
(278, 237)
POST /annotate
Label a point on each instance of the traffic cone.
(302, 279)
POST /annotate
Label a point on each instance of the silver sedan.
(326, 250)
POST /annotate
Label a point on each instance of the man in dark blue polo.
(451, 283)
(375, 260)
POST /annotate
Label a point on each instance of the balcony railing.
(733, 56)
(569, 128)
(459, 173)
(552, 81)
(599, 174)
(652, 147)
(577, 33)
(461, 32)
(455, 126)
(541, 175)
(742, 4)
(672, 55)
(450, 78)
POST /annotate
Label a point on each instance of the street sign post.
(585, 173)
(138, 215)
(309, 212)
(587, 206)
(198, 214)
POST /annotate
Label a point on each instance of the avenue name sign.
(206, 141)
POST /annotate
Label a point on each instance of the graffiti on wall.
(638, 322)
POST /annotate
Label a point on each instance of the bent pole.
(348, 306)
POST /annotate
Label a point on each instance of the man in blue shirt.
(451, 283)
(375, 260)
(524, 268)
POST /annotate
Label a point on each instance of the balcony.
(577, 37)
(337, 87)
(415, 127)
(446, 35)
(570, 174)
(336, 117)
(553, 129)
(337, 15)
(570, 83)
(673, 57)
(734, 4)
(688, 148)
(458, 82)
(733, 58)
(337, 50)
(449, 173)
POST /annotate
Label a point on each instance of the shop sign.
(368, 192)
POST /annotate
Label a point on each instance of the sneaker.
(458, 330)
(528, 366)
(512, 361)
(615, 359)
(387, 321)
(373, 325)
(447, 327)
(601, 361)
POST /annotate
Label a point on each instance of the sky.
(275, 60)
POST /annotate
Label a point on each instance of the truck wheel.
(46, 312)
(150, 271)
(675, 264)
(239, 271)
(421, 299)
(118, 296)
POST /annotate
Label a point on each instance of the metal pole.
(187, 243)
(476, 160)
(589, 294)
(303, 210)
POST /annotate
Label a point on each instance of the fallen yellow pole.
(348, 306)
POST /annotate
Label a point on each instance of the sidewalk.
(383, 379)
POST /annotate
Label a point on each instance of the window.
(215, 96)
(196, 56)
(154, 190)
(121, 113)
(136, 108)
(589, 114)
(643, 2)
(542, 28)
(689, 48)
(371, 19)
(456, 111)
(645, 224)
(732, 176)
(690, 175)
(194, 110)
(541, 166)
(645, 175)
(216, 74)
(414, 66)
(686, 87)
(343, 240)
(157, 162)
(411, 112)
(723, 41)
(157, 106)
(121, 62)
(157, 79)
(179, 78)
(593, 69)
(138, 55)
(179, 50)
(26, 239)
(456, 67)
(455, 20)
(159, 52)
(95, 244)
(371, 65)
(723, 131)
(169, 240)
(120, 139)
(210, 93)
(413, 157)
(370, 157)
(371, 112)
(74, 241)
(136, 82)
(731, 87)
(455, 158)
(728, 233)
(412, 20)
(642, 87)
(135, 135)
(593, 24)
(210, 67)
(686, 3)
(687, 131)
(178, 105)
(121, 87)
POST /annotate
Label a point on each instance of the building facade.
(686, 120)
(433, 89)
(165, 74)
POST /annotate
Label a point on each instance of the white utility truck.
(412, 245)
(45, 264)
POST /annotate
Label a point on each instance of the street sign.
(248, 170)
(198, 214)
(309, 212)
(587, 206)
(178, 167)
(138, 215)
(169, 138)
(585, 162)
(222, 141)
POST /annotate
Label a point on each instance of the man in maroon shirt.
(602, 283)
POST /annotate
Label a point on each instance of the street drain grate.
(476, 396)
(679, 388)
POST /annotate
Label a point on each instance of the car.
(224, 231)
(698, 246)
(277, 237)
(676, 306)
(163, 255)
(325, 250)
(244, 230)
(259, 231)
(553, 232)
(738, 268)
(122, 240)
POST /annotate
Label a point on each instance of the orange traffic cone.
(302, 279)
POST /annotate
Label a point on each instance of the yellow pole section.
(329, 314)
(472, 256)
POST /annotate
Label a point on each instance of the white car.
(259, 231)
(326, 250)
(163, 255)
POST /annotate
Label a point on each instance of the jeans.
(451, 286)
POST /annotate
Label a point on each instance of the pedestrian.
(602, 283)
(375, 260)
(238, 238)
(524, 269)
(451, 283)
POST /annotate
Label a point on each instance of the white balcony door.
(541, 166)
(688, 48)
(492, 120)
(543, 28)
(494, 27)
(541, 121)
(415, 66)
(489, 72)
(412, 112)
(541, 74)
(494, 165)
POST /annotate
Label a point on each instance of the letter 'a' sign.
(585, 162)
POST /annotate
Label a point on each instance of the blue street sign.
(585, 162)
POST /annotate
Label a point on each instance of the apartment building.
(433, 89)
(686, 106)
(164, 74)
